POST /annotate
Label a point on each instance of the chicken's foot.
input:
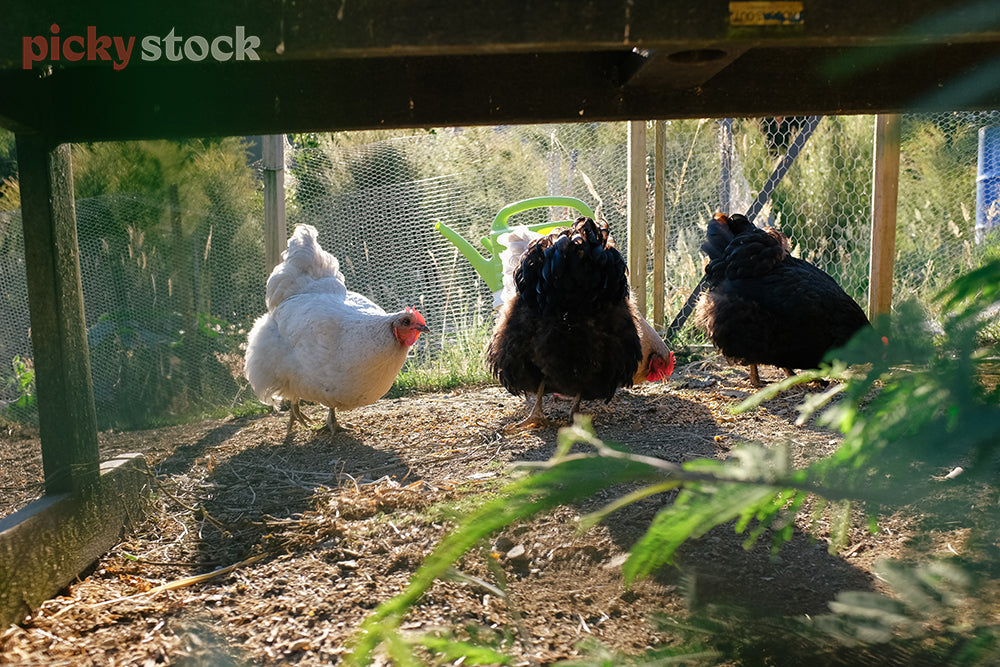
(296, 416)
(331, 424)
(536, 418)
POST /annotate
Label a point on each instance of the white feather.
(305, 267)
(515, 243)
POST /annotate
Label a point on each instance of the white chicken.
(657, 360)
(321, 342)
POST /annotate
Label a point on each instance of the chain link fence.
(173, 259)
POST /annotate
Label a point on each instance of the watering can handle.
(500, 221)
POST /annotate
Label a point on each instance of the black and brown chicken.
(764, 306)
(657, 361)
(568, 328)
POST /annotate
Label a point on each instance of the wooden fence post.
(66, 413)
(725, 164)
(275, 230)
(885, 189)
(659, 226)
(637, 211)
(44, 545)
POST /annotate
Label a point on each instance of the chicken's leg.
(297, 416)
(754, 377)
(575, 407)
(332, 425)
(535, 418)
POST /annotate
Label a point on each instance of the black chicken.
(763, 306)
(568, 328)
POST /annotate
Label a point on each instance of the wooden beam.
(659, 225)
(637, 211)
(885, 189)
(66, 413)
(152, 100)
(275, 229)
(45, 545)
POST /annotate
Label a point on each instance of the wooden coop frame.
(268, 67)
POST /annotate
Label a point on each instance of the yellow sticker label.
(765, 13)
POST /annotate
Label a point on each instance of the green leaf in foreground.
(470, 654)
(566, 479)
(757, 484)
(914, 406)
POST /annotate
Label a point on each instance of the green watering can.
(490, 268)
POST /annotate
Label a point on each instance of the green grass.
(453, 361)
(470, 497)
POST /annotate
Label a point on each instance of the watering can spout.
(487, 268)
(490, 268)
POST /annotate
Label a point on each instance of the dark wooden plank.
(311, 29)
(49, 542)
(66, 413)
(348, 94)
(403, 63)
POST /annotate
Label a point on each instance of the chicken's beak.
(423, 328)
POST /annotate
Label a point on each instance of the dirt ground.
(323, 530)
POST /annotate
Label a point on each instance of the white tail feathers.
(306, 267)
(516, 241)
(263, 360)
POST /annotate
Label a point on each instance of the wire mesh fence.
(171, 234)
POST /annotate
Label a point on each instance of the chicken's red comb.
(416, 315)
(661, 370)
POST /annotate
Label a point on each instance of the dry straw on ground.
(267, 548)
